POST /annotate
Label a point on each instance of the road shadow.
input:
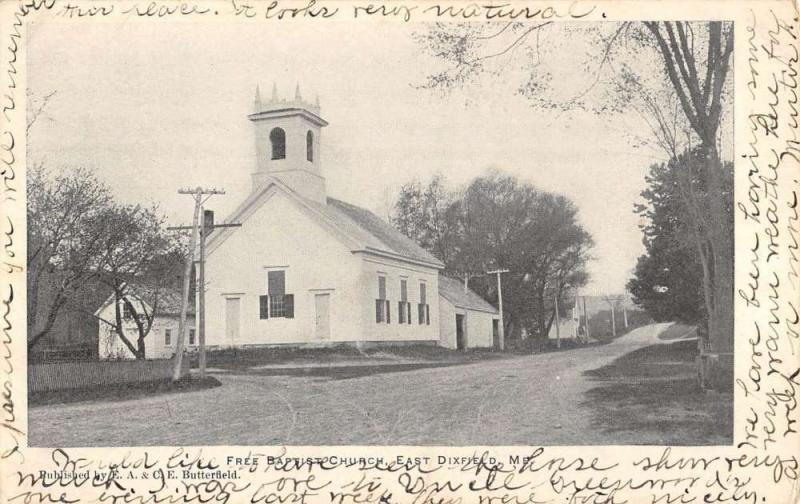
(652, 396)
(344, 372)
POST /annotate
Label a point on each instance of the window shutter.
(388, 312)
(288, 301)
(427, 314)
(408, 313)
(263, 307)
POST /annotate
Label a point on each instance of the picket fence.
(73, 375)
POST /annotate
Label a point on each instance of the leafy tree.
(428, 215)
(681, 101)
(498, 222)
(665, 281)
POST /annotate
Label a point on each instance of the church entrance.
(232, 307)
(322, 329)
(461, 339)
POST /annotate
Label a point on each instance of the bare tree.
(140, 262)
(65, 229)
(681, 101)
(36, 108)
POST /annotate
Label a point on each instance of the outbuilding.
(466, 320)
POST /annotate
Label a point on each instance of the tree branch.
(673, 76)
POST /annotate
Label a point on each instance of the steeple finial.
(297, 96)
(274, 91)
(257, 99)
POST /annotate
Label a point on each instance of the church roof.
(362, 229)
(453, 291)
(375, 232)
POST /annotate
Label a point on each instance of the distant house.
(466, 320)
(569, 329)
(598, 311)
(160, 342)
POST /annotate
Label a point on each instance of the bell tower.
(287, 134)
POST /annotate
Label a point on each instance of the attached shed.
(466, 320)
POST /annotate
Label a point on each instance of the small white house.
(466, 320)
(160, 342)
(568, 327)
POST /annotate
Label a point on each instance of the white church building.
(305, 268)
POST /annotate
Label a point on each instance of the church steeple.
(288, 134)
(257, 100)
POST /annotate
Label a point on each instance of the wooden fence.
(72, 375)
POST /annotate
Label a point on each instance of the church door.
(461, 336)
(322, 329)
(232, 307)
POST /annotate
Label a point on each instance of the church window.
(403, 306)
(167, 336)
(382, 306)
(423, 310)
(381, 287)
(276, 304)
(310, 146)
(191, 336)
(277, 138)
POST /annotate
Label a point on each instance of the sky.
(155, 107)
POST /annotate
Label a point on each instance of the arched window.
(310, 146)
(277, 137)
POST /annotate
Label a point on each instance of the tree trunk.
(542, 318)
(33, 300)
(49, 321)
(719, 369)
(141, 348)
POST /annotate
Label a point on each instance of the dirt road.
(528, 400)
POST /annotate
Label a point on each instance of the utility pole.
(613, 322)
(624, 310)
(200, 196)
(612, 303)
(558, 323)
(201, 293)
(576, 316)
(206, 229)
(499, 272)
(586, 319)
